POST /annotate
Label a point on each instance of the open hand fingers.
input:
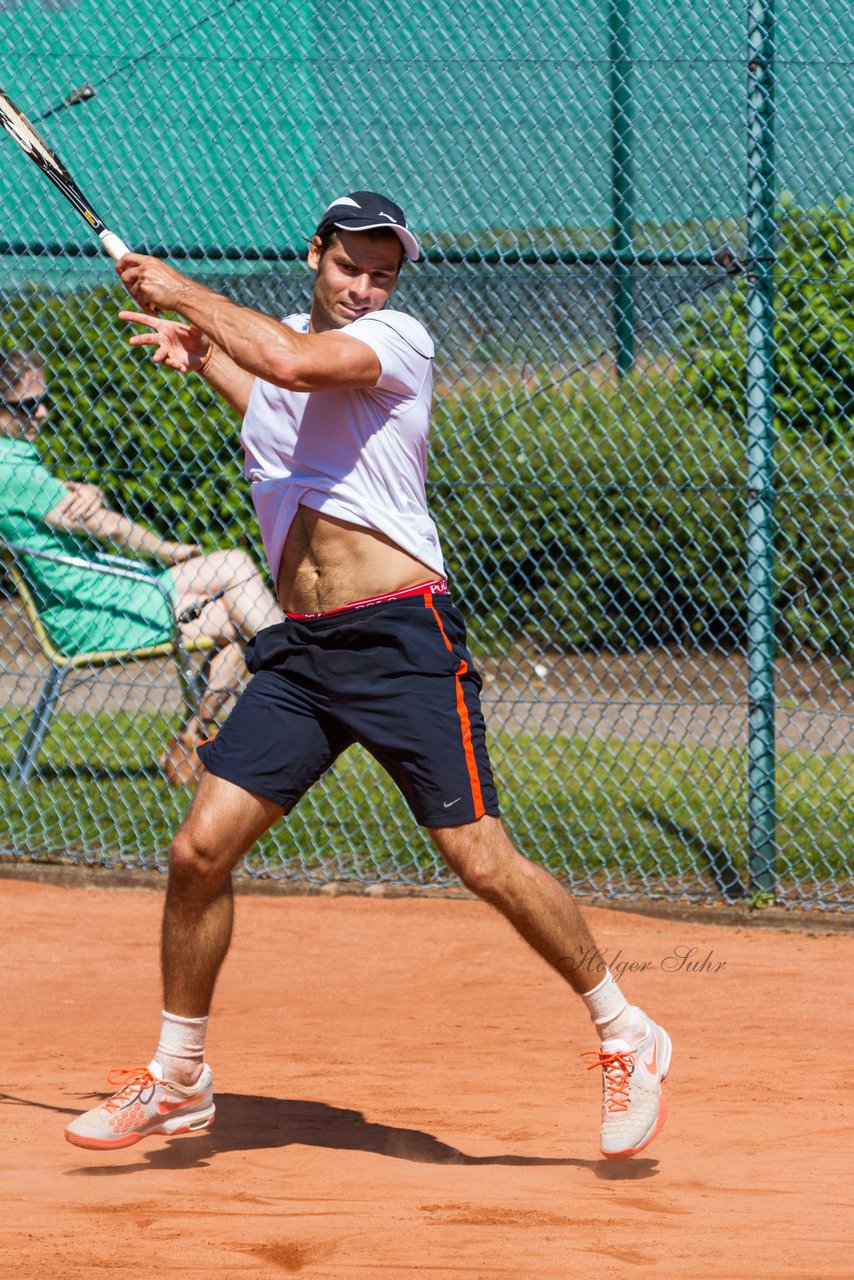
(153, 340)
(172, 355)
(166, 336)
(138, 317)
(164, 348)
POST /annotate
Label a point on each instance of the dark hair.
(13, 366)
(328, 234)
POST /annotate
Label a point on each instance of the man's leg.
(539, 908)
(226, 672)
(246, 608)
(223, 823)
(634, 1052)
(174, 1094)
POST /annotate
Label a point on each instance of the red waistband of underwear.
(438, 587)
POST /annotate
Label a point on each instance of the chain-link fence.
(638, 273)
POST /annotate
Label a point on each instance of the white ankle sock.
(613, 1017)
(181, 1050)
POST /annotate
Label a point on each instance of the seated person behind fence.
(84, 611)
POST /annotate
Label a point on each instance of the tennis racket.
(33, 144)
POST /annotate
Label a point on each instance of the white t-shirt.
(360, 455)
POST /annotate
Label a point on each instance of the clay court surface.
(400, 1092)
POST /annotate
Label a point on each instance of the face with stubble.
(354, 276)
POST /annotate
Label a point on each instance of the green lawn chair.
(59, 664)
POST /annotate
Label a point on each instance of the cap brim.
(406, 238)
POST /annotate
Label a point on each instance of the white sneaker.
(144, 1104)
(633, 1106)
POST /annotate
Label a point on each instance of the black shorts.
(396, 677)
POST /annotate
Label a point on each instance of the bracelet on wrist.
(208, 356)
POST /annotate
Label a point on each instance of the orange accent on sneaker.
(164, 1106)
(130, 1081)
(618, 1068)
(651, 1064)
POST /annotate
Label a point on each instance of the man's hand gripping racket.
(33, 144)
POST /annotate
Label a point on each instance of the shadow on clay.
(245, 1122)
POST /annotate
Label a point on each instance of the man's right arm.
(259, 345)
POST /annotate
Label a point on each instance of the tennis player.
(335, 406)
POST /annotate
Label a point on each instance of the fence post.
(760, 447)
(622, 183)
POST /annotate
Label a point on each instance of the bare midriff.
(328, 563)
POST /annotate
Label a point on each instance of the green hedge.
(618, 520)
(813, 331)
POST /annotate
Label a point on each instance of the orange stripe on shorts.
(463, 713)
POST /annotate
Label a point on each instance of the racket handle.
(114, 246)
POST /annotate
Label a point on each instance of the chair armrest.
(104, 563)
